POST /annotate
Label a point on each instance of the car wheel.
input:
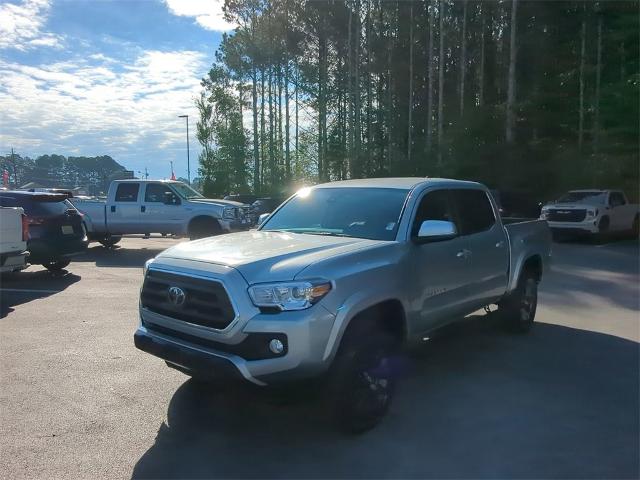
(56, 265)
(361, 383)
(518, 311)
(204, 227)
(110, 241)
(603, 229)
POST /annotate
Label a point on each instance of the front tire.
(203, 227)
(362, 384)
(56, 265)
(110, 241)
(518, 311)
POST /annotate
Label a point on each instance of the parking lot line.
(25, 290)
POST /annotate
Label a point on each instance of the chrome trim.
(226, 329)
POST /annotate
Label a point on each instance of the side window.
(433, 206)
(616, 199)
(474, 210)
(156, 192)
(127, 192)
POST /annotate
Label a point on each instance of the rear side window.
(474, 211)
(433, 206)
(127, 192)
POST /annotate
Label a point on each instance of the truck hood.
(215, 201)
(266, 256)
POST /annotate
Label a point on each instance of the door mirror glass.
(171, 198)
(436, 230)
(262, 218)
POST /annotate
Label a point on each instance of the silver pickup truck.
(159, 206)
(335, 281)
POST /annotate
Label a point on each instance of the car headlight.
(289, 295)
(229, 213)
(544, 214)
(146, 267)
(592, 213)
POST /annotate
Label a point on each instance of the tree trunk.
(262, 127)
(357, 173)
(287, 158)
(389, 116)
(369, 100)
(441, 66)
(583, 40)
(272, 157)
(623, 72)
(463, 55)
(254, 104)
(482, 57)
(296, 100)
(410, 112)
(350, 110)
(429, 127)
(322, 103)
(511, 82)
(596, 118)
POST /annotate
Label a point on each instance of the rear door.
(621, 217)
(160, 210)
(439, 269)
(123, 212)
(487, 243)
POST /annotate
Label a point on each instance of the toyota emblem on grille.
(176, 296)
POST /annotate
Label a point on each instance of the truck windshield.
(185, 191)
(372, 213)
(583, 197)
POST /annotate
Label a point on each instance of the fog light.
(276, 346)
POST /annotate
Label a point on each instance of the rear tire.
(203, 227)
(518, 311)
(361, 382)
(56, 265)
(110, 241)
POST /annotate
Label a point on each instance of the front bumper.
(587, 226)
(192, 347)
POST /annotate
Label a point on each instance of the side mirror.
(262, 218)
(171, 199)
(436, 231)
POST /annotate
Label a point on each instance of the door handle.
(113, 208)
(143, 208)
(500, 244)
(463, 253)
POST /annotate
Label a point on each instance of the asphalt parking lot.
(78, 400)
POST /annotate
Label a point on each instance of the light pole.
(188, 166)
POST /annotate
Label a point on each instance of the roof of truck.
(404, 183)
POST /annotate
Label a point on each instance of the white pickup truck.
(13, 239)
(159, 206)
(594, 212)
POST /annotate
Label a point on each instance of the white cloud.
(98, 106)
(207, 13)
(21, 25)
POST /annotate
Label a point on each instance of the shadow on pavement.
(478, 403)
(22, 287)
(118, 256)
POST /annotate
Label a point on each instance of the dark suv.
(56, 231)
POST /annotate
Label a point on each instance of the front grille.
(566, 215)
(205, 303)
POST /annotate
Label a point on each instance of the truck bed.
(94, 211)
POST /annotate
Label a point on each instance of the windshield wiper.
(324, 233)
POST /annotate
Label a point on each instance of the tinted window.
(34, 206)
(127, 192)
(434, 206)
(474, 211)
(350, 212)
(156, 192)
(616, 199)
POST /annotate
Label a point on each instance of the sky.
(106, 77)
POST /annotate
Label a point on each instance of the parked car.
(265, 205)
(592, 212)
(244, 198)
(14, 231)
(516, 204)
(56, 231)
(159, 206)
(335, 281)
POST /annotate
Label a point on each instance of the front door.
(439, 268)
(160, 211)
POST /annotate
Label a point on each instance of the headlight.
(289, 295)
(146, 267)
(229, 213)
(592, 213)
(544, 213)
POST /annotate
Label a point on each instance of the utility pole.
(188, 166)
